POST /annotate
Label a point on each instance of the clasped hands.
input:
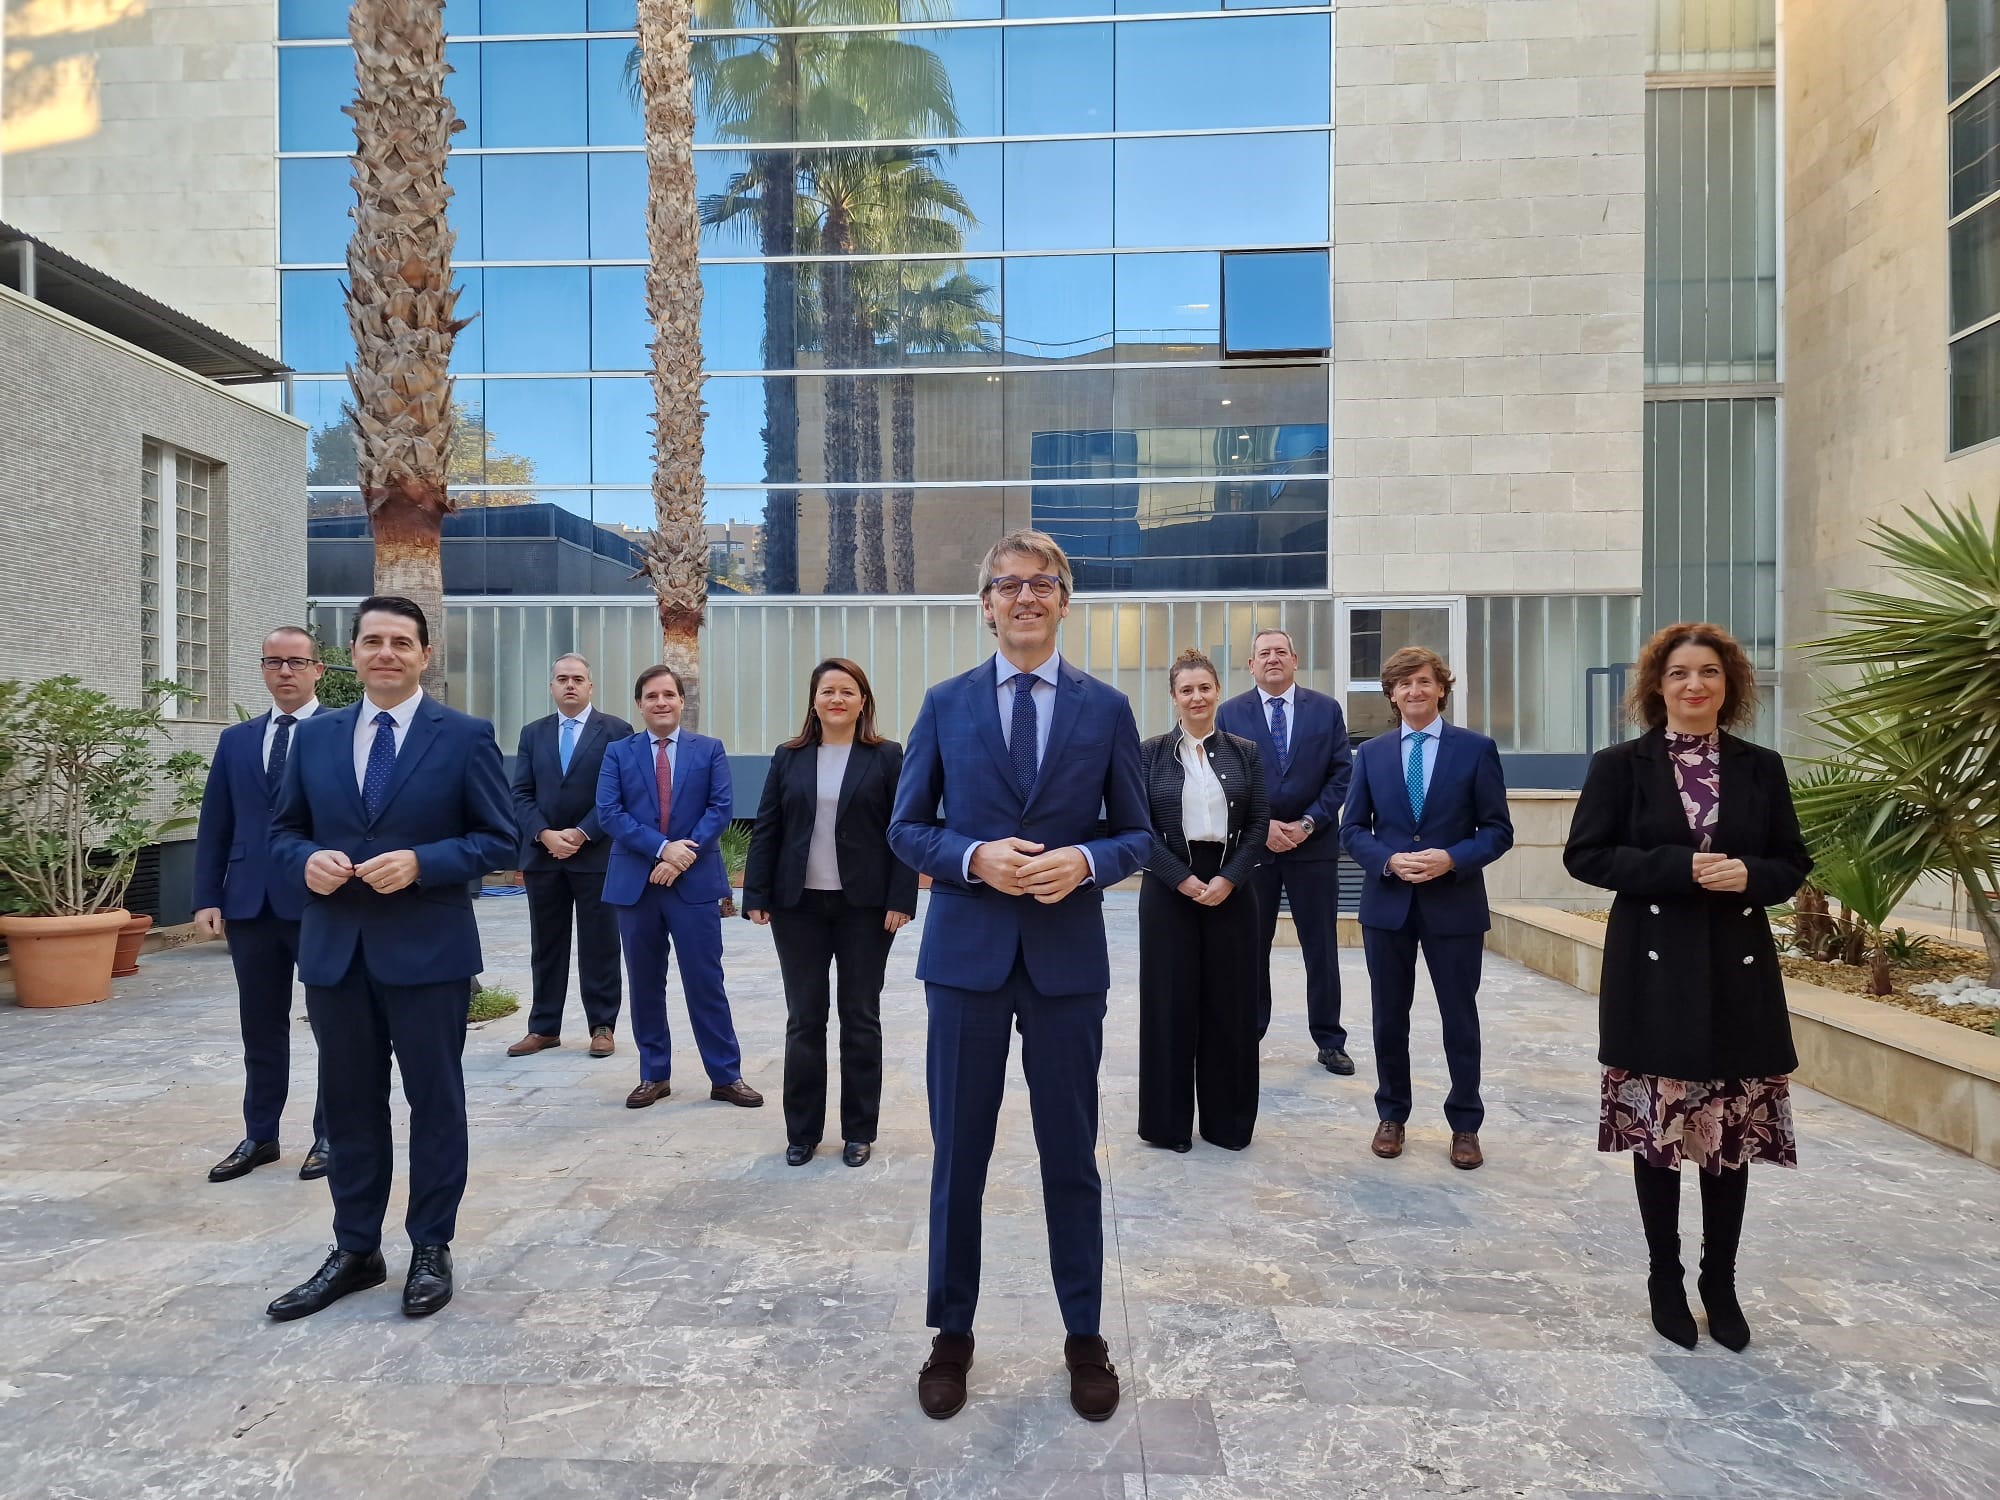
(1020, 867)
(1206, 892)
(673, 862)
(1282, 837)
(1718, 872)
(561, 842)
(327, 870)
(1420, 866)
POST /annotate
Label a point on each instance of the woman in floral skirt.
(1694, 829)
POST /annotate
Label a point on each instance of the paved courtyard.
(652, 1304)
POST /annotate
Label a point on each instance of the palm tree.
(401, 304)
(1852, 865)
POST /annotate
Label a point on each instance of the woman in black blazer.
(1199, 940)
(820, 873)
(1694, 829)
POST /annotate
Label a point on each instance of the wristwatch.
(1307, 825)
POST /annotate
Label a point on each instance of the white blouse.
(823, 855)
(1204, 805)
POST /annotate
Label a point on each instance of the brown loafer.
(738, 1093)
(1465, 1152)
(602, 1044)
(1388, 1139)
(649, 1091)
(941, 1382)
(532, 1043)
(1093, 1379)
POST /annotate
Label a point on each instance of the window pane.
(1170, 306)
(949, 314)
(534, 94)
(313, 83)
(525, 17)
(461, 17)
(1975, 267)
(1222, 535)
(1972, 29)
(1043, 8)
(906, 541)
(314, 200)
(1229, 421)
(1058, 79)
(1699, 36)
(1217, 190)
(329, 442)
(732, 317)
(1975, 148)
(1058, 195)
(464, 175)
(1276, 302)
(534, 207)
(949, 427)
(545, 424)
(298, 19)
(621, 431)
(949, 197)
(1975, 388)
(617, 205)
(614, 15)
(461, 87)
(1187, 75)
(538, 320)
(1058, 308)
(852, 85)
(313, 321)
(619, 331)
(1711, 517)
(614, 105)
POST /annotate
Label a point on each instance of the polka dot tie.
(1413, 775)
(381, 764)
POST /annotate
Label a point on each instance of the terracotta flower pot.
(63, 960)
(130, 938)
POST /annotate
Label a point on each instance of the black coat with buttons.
(1691, 985)
(774, 871)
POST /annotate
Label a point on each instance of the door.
(1367, 632)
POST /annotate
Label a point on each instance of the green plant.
(76, 774)
(736, 845)
(1903, 946)
(1859, 862)
(490, 1003)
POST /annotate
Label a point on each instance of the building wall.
(1488, 263)
(139, 136)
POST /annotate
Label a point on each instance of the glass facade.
(967, 265)
(1973, 98)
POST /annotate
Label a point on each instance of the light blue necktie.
(1413, 774)
(568, 747)
(1021, 747)
(381, 763)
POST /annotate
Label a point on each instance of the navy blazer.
(1315, 779)
(546, 796)
(628, 805)
(447, 802)
(232, 842)
(1465, 814)
(774, 871)
(957, 758)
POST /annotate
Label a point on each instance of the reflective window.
(461, 86)
(1059, 307)
(313, 83)
(617, 206)
(534, 94)
(1276, 302)
(889, 199)
(619, 332)
(1234, 420)
(621, 431)
(1045, 8)
(320, 404)
(1972, 30)
(1188, 75)
(948, 314)
(526, 17)
(615, 117)
(1218, 190)
(314, 201)
(1058, 79)
(468, 350)
(537, 319)
(1169, 306)
(614, 15)
(1975, 148)
(1975, 268)
(465, 176)
(312, 313)
(1711, 513)
(1058, 195)
(535, 207)
(732, 316)
(1224, 535)
(861, 85)
(311, 18)
(545, 424)
(1975, 388)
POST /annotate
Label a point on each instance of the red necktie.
(663, 775)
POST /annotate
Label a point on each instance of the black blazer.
(545, 798)
(1240, 769)
(1691, 986)
(774, 874)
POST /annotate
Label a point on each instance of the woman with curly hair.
(1694, 829)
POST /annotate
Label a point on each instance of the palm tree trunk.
(677, 558)
(871, 571)
(777, 234)
(401, 304)
(838, 441)
(903, 507)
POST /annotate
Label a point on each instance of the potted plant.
(81, 784)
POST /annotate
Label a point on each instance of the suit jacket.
(1314, 782)
(1240, 769)
(957, 790)
(232, 842)
(1465, 814)
(545, 796)
(628, 806)
(774, 875)
(447, 802)
(1691, 985)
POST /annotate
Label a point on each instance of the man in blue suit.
(233, 885)
(390, 808)
(1426, 814)
(664, 797)
(1022, 754)
(1303, 737)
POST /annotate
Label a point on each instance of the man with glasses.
(235, 892)
(1007, 770)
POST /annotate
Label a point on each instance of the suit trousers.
(1062, 1042)
(552, 897)
(361, 1023)
(1314, 886)
(658, 926)
(1454, 963)
(824, 930)
(264, 951)
(1197, 1011)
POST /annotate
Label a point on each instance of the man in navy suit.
(566, 851)
(389, 809)
(664, 797)
(233, 885)
(1426, 814)
(1303, 737)
(1022, 754)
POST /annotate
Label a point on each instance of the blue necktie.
(281, 745)
(1281, 737)
(381, 762)
(1413, 775)
(1021, 741)
(568, 743)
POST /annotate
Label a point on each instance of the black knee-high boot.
(1722, 1198)
(1659, 1191)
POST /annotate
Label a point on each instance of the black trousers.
(553, 895)
(1314, 886)
(264, 951)
(823, 931)
(1454, 961)
(1197, 1011)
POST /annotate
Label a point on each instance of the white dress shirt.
(823, 854)
(1204, 805)
(1435, 729)
(365, 729)
(673, 744)
(1290, 698)
(580, 718)
(1043, 695)
(304, 711)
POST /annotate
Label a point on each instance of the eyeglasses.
(1042, 586)
(296, 663)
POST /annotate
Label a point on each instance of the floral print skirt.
(1718, 1125)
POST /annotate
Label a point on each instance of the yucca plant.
(1858, 861)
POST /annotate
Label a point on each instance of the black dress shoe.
(797, 1155)
(941, 1382)
(856, 1153)
(247, 1157)
(1183, 1147)
(428, 1286)
(1093, 1379)
(314, 1166)
(343, 1272)
(1336, 1060)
